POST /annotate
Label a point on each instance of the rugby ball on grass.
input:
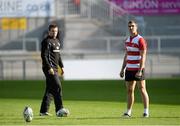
(28, 114)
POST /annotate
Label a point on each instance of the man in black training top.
(51, 61)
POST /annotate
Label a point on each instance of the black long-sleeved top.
(50, 53)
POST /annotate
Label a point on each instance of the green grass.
(91, 103)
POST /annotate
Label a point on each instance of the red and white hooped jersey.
(133, 47)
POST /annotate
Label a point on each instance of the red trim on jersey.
(133, 53)
(130, 44)
(133, 61)
(132, 69)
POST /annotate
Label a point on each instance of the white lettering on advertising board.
(27, 8)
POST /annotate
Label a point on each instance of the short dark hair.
(132, 21)
(52, 26)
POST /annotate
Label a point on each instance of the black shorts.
(130, 76)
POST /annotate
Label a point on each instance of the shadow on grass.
(161, 91)
(120, 117)
(110, 118)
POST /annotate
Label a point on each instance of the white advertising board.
(27, 8)
(95, 69)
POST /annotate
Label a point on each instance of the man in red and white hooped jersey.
(133, 47)
(134, 66)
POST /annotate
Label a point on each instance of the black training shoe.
(145, 115)
(126, 115)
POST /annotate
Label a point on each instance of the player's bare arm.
(123, 66)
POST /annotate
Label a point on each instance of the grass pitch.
(91, 103)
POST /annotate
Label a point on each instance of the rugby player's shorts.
(130, 75)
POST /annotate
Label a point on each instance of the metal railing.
(34, 41)
(23, 44)
(101, 10)
(20, 65)
(115, 45)
(29, 66)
